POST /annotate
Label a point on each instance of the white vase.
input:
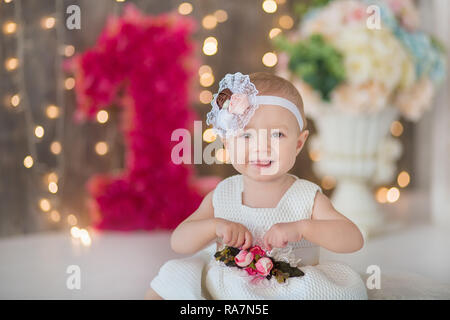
(352, 149)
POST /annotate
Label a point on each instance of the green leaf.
(315, 61)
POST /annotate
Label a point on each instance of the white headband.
(281, 102)
(238, 101)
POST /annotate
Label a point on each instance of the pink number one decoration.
(143, 64)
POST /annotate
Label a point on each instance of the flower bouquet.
(359, 65)
(256, 262)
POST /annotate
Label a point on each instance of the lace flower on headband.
(233, 105)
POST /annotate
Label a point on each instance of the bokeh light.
(52, 111)
(209, 21)
(101, 148)
(396, 128)
(403, 179)
(28, 162)
(269, 6)
(270, 59)
(209, 136)
(286, 22)
(205, 96)
(185, 8)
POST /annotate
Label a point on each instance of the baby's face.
(268, 146)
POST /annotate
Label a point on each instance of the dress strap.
(301, 199)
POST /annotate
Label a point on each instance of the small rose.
(238, 103)
(250, 271)
(256, 250)
(244, 258)
(263, 266)
(223, 96)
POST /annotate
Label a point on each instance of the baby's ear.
(301, 140)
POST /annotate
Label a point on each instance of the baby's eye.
(246, 135)
(277, 134)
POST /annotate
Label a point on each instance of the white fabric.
(202, 277)
(281, 102)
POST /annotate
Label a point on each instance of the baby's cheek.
(287, 157)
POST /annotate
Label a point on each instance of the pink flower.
(256, 250)
(263, 266)
(244, 258)
(250, 271)
(238, 103)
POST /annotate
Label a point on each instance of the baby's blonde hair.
(270, 84)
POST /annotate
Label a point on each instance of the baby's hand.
(280, 234)
(233, 234)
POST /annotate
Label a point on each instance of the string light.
(81, 234)
(269, 6)
(210, 46)
(274, 32)
(101, 148)
(85, 237)
(102, 116)
(221, 15)
(44, 204)
(28, 162)
(269, 59)
(55, 216)
(55, 147)
(69, 83)
(205, 96)
(396, 128)
(53, 187)
(11, 64)
(72, 220)
(286, 22)
(403, 179)
(206, 79)
(393, 194)
(8, 1)
(39, 131)
(209, 136)
(52, 177)
(69, 50)
(15, 100)
(185, 8)
(9, 27)
(381, 195)
(75, 232)
(52, 111)
(209, 22)
(204, 69)
(48, 22)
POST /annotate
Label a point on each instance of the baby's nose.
(261, 146)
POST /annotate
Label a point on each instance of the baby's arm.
(330, 229)
(202, 227)
(197, 230)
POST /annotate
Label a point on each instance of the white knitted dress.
(202, 277)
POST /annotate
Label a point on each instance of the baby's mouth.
(261, 163)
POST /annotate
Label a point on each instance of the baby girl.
(261, 121)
